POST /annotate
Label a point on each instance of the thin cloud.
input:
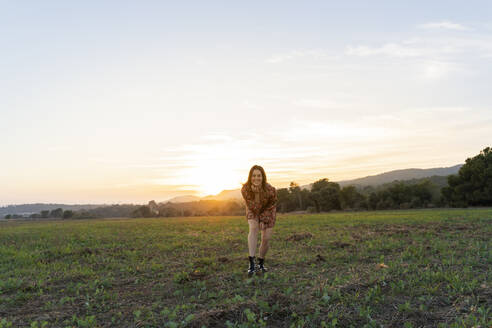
(436, 69)
(389, 49)
(320, 103)
(447, 110)
(427, 47)
(217, 136)
(279, 58)
(342, 131)
(444, 25)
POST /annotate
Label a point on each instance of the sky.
(130, 101)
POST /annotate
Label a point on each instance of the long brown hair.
(263, 181)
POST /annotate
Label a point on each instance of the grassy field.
(407, 268)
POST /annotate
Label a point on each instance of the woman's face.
(256, 178)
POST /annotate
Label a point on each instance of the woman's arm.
(270, 206)
(252, 208)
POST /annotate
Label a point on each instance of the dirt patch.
(393, 229)
(362, 285)
(360, 237)
(196, 233)
(235, 313)
(86, 251)
(317, 259)
(484, 295)
(300, 236)
(218, 317)
(339, 244)
(197, 275)
(282, 300)
(390, 314)
(454, 227)
(352, 287)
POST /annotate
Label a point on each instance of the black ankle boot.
(252, 267)
(262, 267)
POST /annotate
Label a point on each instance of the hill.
(182, 199)
(405, 174)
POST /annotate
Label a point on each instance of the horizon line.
(132, 203)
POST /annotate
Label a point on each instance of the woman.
(261, 209)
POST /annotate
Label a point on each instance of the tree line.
(45, 214)
(472, 186)
(152, 209)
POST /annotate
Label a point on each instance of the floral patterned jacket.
(266, 209)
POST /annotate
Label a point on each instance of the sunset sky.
(129, 101)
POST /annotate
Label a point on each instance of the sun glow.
(211, 167)
(212, 177)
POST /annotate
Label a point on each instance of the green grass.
(191, 272)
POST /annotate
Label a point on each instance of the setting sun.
(212, 177)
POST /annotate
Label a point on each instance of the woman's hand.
(255, 188)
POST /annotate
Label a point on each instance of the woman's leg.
(253, 236)
(265, 239)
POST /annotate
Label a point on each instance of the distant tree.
(67, 214)
(325, 195)
(423, 192)
(385, 203)
(173, 212)
(231, 208)
(154, 209)
(351, 198)
(213, 211)
(45, 214)
(295, 190)
(472, 186)
(398, 193)
(283, 196)
(142, 212)
(305, 199)
(8, 216)
(373, 200)
(57, 213)
(368, 189)
(316, 193)
(320, 184)
(115, 210)
(83, 214)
